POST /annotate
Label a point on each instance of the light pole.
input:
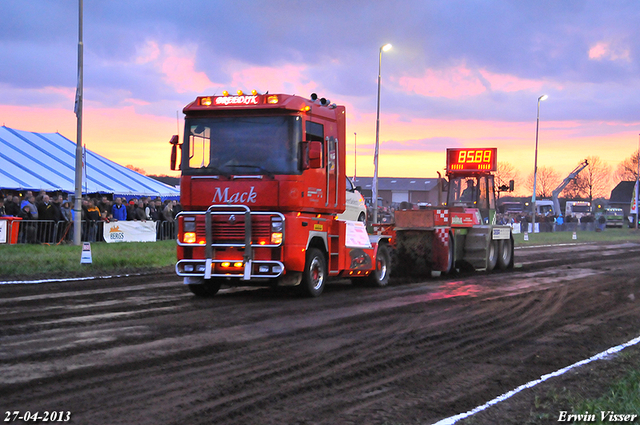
(374, 186)
(535, 168)
(637, 187)
(355, 156)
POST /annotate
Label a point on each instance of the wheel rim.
(381, 270)
(505, 253)
(317, 273)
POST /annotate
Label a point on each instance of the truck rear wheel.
(314, 275)
(505, 254)
(380, 276)
(206, 289)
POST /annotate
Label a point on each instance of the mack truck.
(263, 188)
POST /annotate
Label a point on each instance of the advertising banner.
(3, 231)
(130, 231)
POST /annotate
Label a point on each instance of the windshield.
(242, 145)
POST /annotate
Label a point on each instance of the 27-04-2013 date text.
(46, 416)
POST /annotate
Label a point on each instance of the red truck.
(263, 185)
(263, 181)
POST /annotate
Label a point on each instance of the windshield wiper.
(257, 167)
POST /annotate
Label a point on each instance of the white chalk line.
(600, 356)
(71, 279)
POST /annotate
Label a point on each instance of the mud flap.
(440, 250)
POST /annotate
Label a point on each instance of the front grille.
(225, 231)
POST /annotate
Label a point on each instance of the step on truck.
(263, 188)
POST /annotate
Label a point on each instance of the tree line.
(595, 181)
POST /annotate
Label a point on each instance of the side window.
(349, 186)
(314, 132)
(483, 198)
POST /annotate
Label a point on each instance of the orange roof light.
(273, 99)
(205, 101)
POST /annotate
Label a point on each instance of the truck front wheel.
(314, 275)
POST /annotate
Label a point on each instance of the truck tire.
(207, 288)
(314, 275)
(505, 254)
(379, 278)
(450, 260)
(492, 255)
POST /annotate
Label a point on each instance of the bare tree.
(627, 170)
(548, 179)
(136, 169)
(506, 172)
(592, 182)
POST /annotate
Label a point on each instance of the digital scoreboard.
(474, 159)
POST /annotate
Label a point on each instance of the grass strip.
(21, 262)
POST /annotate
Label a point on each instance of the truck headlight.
(277, 230)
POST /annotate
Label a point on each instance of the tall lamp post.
(374, 187)
(637, 187)
(535, 167)
(355, 156)
(77, 219)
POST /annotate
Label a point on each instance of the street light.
(374, 187)
(535, 168)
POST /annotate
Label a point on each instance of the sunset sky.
(460, 73)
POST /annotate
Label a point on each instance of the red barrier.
(13, 227)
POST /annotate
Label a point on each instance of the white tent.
(46, 161)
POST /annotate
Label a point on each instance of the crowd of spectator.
(56, 209)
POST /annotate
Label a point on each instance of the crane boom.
(556, 192)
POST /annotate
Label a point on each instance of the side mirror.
(174, 152)
(315, 154)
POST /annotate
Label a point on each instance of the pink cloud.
(609, 51)
(454, 83)
(450, 83)
(283, 79)
(178, 65)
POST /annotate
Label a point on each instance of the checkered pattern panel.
(443, 234)
(441, 217)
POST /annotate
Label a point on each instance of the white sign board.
(130, 231)
(357, 236)
(3, 231)
(85, 258)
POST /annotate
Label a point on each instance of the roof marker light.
(225, 93)
(240, 93)
(254, 92)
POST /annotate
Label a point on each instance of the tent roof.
(46, 161)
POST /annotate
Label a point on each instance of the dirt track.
(145, 351)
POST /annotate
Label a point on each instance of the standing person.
(13, 207)
(31, 201)
(138, 212)
(47, 216)
(131, 206)
(119, 211)
(3, 211)
(93, 217)
(27, 230)
(66, 211)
